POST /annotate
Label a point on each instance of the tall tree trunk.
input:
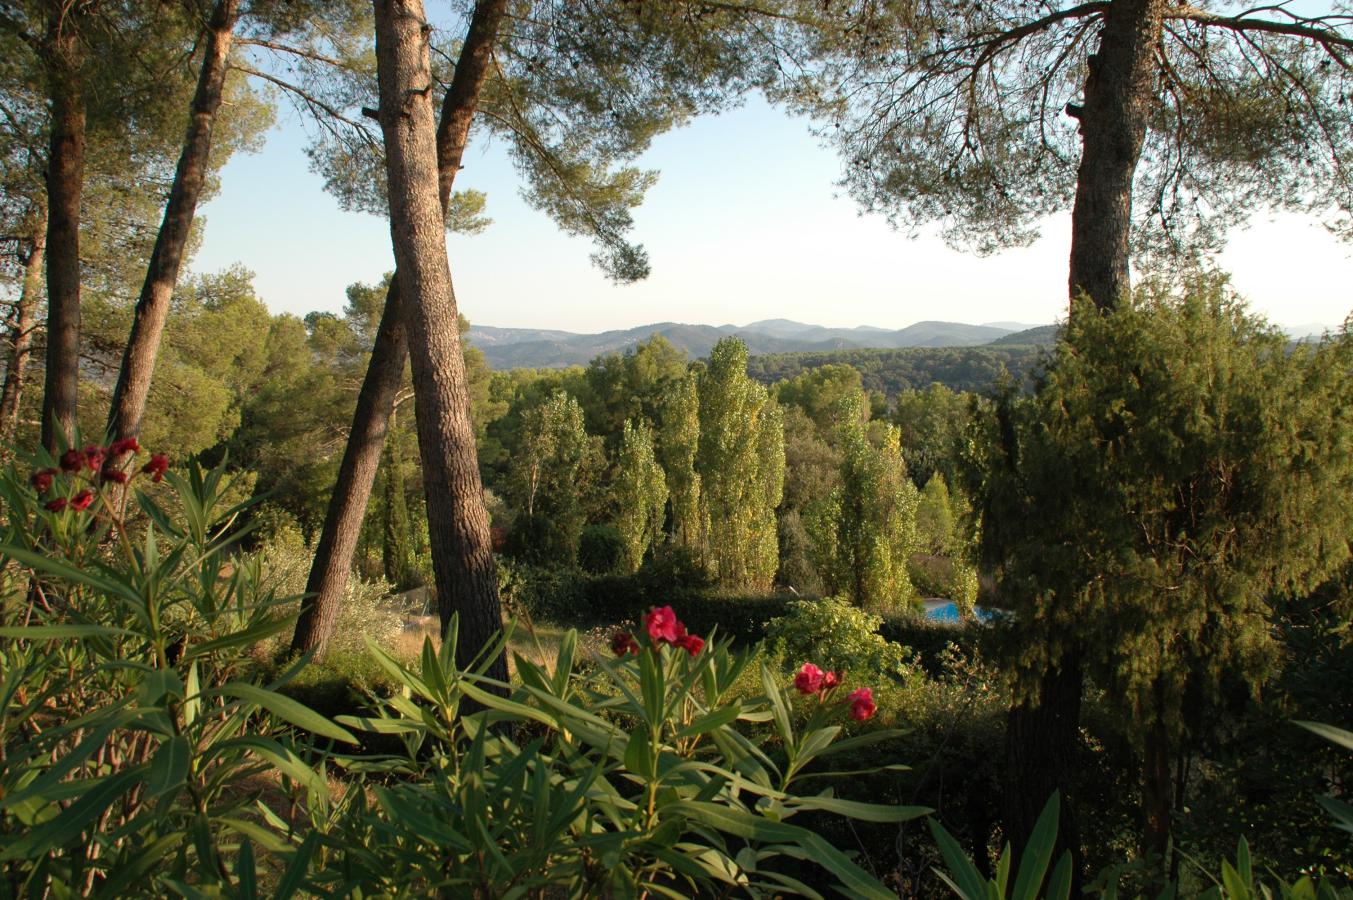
(65, 184)
(458, 524)
(1119, 94)
(1041, 738)
(152, 308)
(361, 457)
(1041, 741)
(1157, 794)
(25, 320)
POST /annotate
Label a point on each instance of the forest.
(324, 606)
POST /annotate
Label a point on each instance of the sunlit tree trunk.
(65, 184)
(152, 308)
(458, 524)
(21, 331)
(361, 457)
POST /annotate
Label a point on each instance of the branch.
(295, 51)
(1329, 38)
(306, 96)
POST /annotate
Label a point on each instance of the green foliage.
(741, 465)
(396, 552)
(935, 518)
(865, 531)
(547, 470)
(838, 636)
(1029, 884)
(1179, 468)
(640, 492)
(601, 550)
(678, 445)
(129, 722)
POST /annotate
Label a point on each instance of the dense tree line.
(889, 372)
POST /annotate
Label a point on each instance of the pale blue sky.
(745, 223)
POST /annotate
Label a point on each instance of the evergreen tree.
(641, 493)
(1180, 471)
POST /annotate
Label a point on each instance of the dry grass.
(539, 644)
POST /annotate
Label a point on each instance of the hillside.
(509, 348)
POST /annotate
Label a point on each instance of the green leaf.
(724, 715)
(259, 631)
(865, 812)
(284, 708)
(1330, 733)
(966, 882)
(1059, 882)
(1037, 853)
(1341, 810)
(1236, 889)
(244, 871)
(58, 632)
(639, 754)
(169, 767)
(64, 570)
(297, 867)
(65, 828)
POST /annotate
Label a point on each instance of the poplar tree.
(678, 444)
(640, 492)
(865, 531)
(740, 461)
(545, 481)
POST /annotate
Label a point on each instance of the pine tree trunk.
(1157, 794)
(152, 308)
(361, 457)
(462, 556)
(1041, 741)
(1118, 99)
(21, 333)
(65, 184)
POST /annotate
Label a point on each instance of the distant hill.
(1039, 336)
(510, 348)
(893, 370)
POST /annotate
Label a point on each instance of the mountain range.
(510, 348)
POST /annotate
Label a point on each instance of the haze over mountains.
(508, 348)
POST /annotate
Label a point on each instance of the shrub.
(600, 550)
(844, 636)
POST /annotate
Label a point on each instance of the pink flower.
(94, 456)
(830, 680)
(691, 643)
(42, 480)
(157, 466)
(862, 704)
(56, 505)
(809, 679)
(126, 445)
(662, 625)
(82, 499)
(624, 644)
(72, 460)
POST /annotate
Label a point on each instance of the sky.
(746, 222)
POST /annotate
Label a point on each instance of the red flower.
(809, 679)
(114, 475)
(862, 704)
(662, 625)
(691, 643)
(82, 499)
(624, 644)
(126, 445)
(830, 680)
(156, 467)
(57, 505)
(72, 460)
(42, 480)
(95, 455)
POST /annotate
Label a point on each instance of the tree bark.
(21, 334)
(1119, 95)
(65, 184)
(361, 457)
(458, 525)
(152, 307)
(1157, 794)
(1041, 740)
